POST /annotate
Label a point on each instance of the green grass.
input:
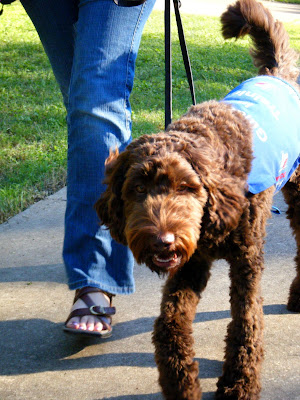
(32, 118)
(33, 137)
(288, 1)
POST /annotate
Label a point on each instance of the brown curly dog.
(186, 197)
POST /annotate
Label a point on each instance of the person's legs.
(104, 43)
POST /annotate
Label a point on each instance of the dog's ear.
(225, 194)
(109, 207)
(225, 205)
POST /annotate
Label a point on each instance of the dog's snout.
(165, 239)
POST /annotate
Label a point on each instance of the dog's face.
(162, 206)
(162, 199)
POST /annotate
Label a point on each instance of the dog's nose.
(166, 239)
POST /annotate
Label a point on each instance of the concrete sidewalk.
(39, 361)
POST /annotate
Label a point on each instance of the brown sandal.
(92, 309)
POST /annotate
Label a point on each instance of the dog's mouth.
(167, 262)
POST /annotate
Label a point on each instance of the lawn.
(33, 137)
(288, 1)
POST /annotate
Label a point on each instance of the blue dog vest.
(273, 107)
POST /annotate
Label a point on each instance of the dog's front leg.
(244, 347)
(244, 342)
(291, 193)
(172, 337)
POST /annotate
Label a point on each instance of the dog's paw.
(235, 394)
(238, 389)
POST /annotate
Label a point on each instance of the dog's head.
(158, 192)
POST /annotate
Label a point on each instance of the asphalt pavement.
(40, 361)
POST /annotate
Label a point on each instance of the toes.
(98, 327)
(73, 323)
(83, 323)
(87, 323)
(94, 324)
(91, 323)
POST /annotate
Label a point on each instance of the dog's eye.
(183, 187)
(140, 188)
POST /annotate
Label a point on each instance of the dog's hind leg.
(172, 336)
(291, 192)
(244, 342)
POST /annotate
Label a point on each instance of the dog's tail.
(272, 54)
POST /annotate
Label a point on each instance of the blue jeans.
(92, 46)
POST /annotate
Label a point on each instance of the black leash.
(168, 64)
(168, 59)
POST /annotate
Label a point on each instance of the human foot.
(90, 313)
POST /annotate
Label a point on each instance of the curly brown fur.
(291, 194)
(179, 200)
(271, 54)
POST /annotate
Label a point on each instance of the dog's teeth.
(164, 259)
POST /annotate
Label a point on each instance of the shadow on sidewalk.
(37, 345)
(34, 273)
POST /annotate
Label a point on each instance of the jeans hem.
(110, 289)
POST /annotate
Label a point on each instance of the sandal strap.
(92, 308)
(106, 325)
(81, 294)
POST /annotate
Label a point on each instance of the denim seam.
(129, 61)
(70, 105)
